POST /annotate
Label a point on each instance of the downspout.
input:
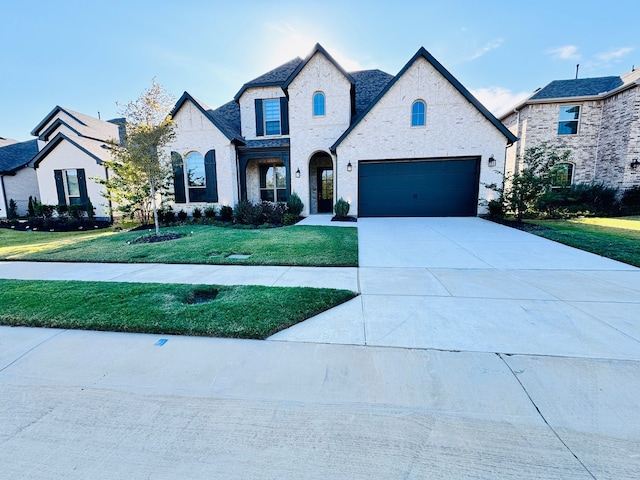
(595, 160)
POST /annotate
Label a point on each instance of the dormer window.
(318, 104)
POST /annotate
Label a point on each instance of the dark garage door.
(419, 188)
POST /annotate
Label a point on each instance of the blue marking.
(161, 342)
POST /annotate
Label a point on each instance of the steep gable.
(274, 78)
(76, 123)
(423, 54)
(97, 150)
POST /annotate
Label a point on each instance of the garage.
(444, 187)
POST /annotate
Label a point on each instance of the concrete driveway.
(474, 352)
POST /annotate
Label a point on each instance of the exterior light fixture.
(298, 173)
(635, 163)
(492, 161)
(349, 167)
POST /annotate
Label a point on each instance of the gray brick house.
(414, 144)
(598, 119)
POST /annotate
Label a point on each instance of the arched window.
(318, 104)
(418, 114)
(562, 175)
(196, 176)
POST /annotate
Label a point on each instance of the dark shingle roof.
(268, 143)
(228, 116)
(581, 87)
(369, 83)
(17, 155)
(274, 78)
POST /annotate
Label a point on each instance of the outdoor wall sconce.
(298, 173)
(349, 167)
(492, 161)
(635, 163)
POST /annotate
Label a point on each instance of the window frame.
(272, 119)
(71, 199)
(315, 105)
(563, 123)
(567, 174)
(418, 115)
(278, 193)
(194, 193)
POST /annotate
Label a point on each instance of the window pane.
(570, 113)
(73, 189)
(197, 195)
(561, 175)
(282, 195)
(195, 170)
(281, 177)
(318, 104)
(266, 195)
(568, 128)
(417, 114)
(272, 117)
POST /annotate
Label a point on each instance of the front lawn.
(206, 310)
(202, 244)
(616, 238)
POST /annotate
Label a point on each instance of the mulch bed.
(158, 238)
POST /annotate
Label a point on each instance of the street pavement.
(473, 352)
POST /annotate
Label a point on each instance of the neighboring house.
(598, 119)
(414, 144)
(17, 180)
(72, 150)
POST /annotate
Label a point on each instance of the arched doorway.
(321, 183)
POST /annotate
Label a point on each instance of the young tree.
(139, 162)
(520, 191)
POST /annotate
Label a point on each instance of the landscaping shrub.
(91, 212)
(496, 208)
(31, 208)
(294, 204)
(182, 215)
(209, 212)
(197, 213)
(630, 200)
(45, 211)
(341, 208)
(290, 219)
(578, 199)
(272, 212)
(12, 213)
(169, 215)
(226, 213)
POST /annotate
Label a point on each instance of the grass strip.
(617, 239)
(202, 244)
(253, 312)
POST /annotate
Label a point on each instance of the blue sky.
(87, 56)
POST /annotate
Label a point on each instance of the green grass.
(616, 238)
(236, 311)
(294, 245)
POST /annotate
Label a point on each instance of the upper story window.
(562, 175)
(318, 104)
(568, 120)
(418, 114)
(272, 117)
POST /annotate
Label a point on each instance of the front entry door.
(325, 190)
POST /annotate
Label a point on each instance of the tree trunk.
(154, 207)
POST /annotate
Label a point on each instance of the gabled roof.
(581, 87)
(83, 125)
(97, 150)
(369, 84)
(16, 155)
(273, 78)
(226, 118)
(317, 49)
(422, 53)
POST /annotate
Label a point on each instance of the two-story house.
(414, 144)
(598, 119)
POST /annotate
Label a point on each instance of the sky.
(93, 57)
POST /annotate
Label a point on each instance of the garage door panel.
(442, 187)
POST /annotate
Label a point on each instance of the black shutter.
(60, 187)
(178, 178)
(82, 186)
(284, 115)
(210, 175)
(259, 118)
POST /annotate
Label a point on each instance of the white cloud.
(613, 54)
(499, 100)
(492, 45)
(568, 52)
